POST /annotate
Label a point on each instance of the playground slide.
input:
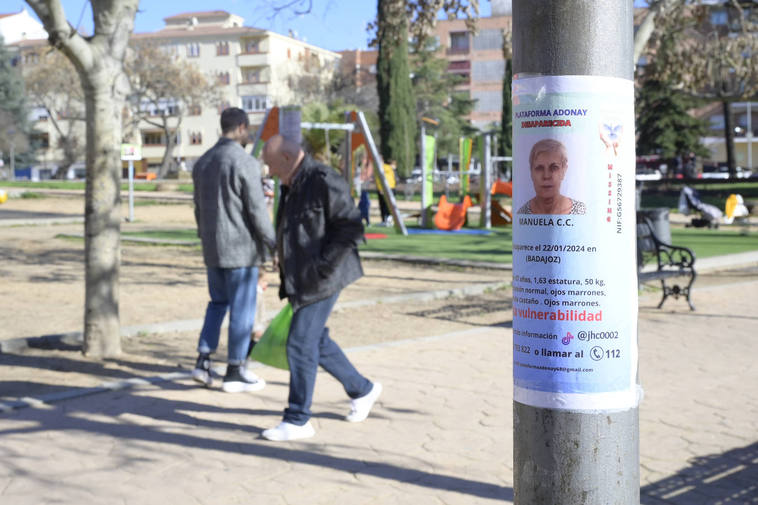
(502, 188)
(451, 216)
(500, 215)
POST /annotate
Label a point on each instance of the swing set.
(287, 122)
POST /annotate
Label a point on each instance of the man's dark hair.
(232, 117)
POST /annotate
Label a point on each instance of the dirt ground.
(42, 293)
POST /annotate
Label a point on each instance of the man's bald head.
(282, 157)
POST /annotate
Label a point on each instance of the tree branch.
(61, 34)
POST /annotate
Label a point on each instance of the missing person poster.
(574, 263)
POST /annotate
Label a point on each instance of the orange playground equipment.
(451, 216)
(500, 215)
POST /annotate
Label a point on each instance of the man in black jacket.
(318, 232)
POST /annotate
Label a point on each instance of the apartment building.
(478, 59)
(360, 66)
(17, 26)
(254, 69)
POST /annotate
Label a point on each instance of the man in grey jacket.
(236, 233)
(318, 232)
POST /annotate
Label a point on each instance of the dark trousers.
(383, 207)
(364, 205)
(309, 346)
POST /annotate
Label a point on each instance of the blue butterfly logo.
(612, 131)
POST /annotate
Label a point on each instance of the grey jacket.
(230, 210)
(319, 229)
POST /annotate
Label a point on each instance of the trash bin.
(660, 218)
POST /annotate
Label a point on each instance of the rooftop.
(199, 14)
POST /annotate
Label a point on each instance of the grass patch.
(189, 235)
(497, 247)
(73, 185)
(714, 193)
(494, 248)
(706, 243)
(29, 195)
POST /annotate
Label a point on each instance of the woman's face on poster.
(547, 172)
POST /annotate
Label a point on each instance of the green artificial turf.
(496, 247)
(706, 243)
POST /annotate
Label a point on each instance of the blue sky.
(332, 24)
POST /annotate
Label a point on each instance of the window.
(255, 103)
(196, 138)
(152, 138)
(459, 66)
(488, 71)
(162, 107)
(252, 46)
(458, 42)
(716, 122)
(252, 75)
(157, 138)
(222, 106)
(223, 78)
(40, 140)
(313, 62)
(31, 59)
(222, 48)
(488, 101)
(193, 50)
(719, 18)
(488, 40)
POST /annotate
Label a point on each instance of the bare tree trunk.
(102, 217)
(99, 61)
(729, 138)
(168, 154)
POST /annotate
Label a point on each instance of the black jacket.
(318, 232)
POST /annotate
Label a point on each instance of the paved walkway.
(440, 434)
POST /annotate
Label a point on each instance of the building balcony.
(253, 88)
(255, 81)
(450, 51)
(259, 59)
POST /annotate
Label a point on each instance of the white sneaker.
(360, 407)
(288, 431)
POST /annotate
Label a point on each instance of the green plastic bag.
(271, 349)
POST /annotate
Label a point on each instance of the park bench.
(657, 260)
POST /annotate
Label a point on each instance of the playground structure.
(492, 213)
(449, 216)
(287, 122)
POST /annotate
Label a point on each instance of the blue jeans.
(309, 346)
(232, 289)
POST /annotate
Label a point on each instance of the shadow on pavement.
(77, 418)
(729, 478)
(99, 370)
